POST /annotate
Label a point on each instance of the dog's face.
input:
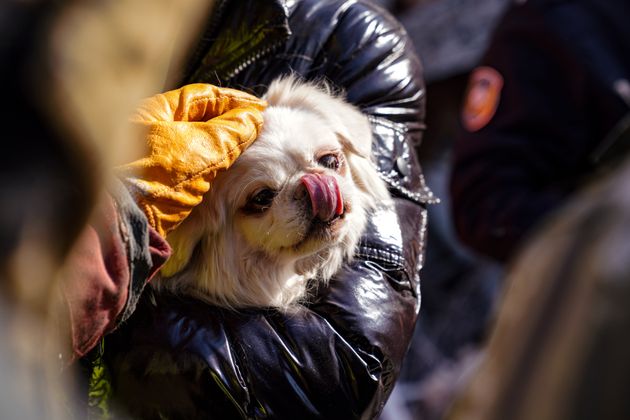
(292, 206)
(291, 194)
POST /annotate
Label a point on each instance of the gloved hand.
(191, 133)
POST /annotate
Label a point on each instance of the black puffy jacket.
(340, 356)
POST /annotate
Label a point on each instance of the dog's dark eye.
(329, 161)
(262, 200)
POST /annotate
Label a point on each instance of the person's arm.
(516, 164)
(115, 256)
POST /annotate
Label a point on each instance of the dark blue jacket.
(565, 67)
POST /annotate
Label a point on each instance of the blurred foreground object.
(560, 347)
(72, 72)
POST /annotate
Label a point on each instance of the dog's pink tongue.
(326, 199)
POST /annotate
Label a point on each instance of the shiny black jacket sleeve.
(339, 356)
(513, 172)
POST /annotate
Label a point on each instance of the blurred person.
(71, 72)
(339, 356)
(540, 108)
(546, 113)
(560, 345)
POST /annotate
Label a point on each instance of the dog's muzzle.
(325, 196)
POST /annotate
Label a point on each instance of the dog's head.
(291, 208)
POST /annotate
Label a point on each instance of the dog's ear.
(352, 127)
(203, 222)
(355, 135)
(366, 178)
(354, 132)
(183, 241)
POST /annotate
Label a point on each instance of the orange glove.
(191, 133)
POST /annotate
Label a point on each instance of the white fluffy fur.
(235, 259)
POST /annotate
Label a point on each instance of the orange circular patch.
(482, 98)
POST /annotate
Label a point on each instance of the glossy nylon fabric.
(339, 356)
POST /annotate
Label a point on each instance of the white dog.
(290, 209)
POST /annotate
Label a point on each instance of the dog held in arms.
(288, 212)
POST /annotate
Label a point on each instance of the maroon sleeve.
(106, 270)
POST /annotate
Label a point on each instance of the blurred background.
(459, 287)
(538, 335)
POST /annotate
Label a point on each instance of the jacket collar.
(238, 33)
